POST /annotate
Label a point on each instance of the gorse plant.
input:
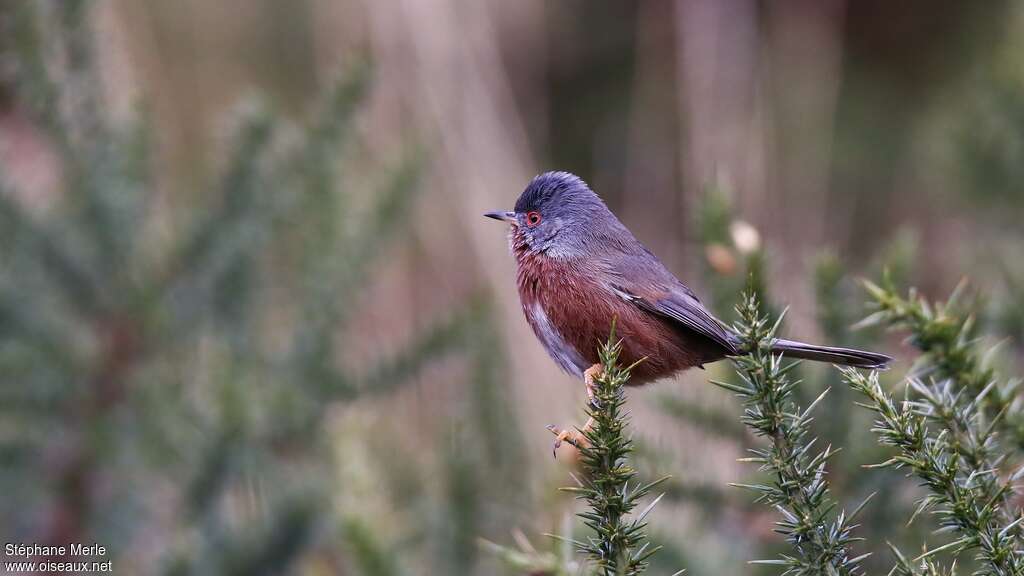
(958, 459)
(948, 434)
(968, 500)
(921, 567)
(798, 488)
(948, 348)
(945, 433)
(608, 484)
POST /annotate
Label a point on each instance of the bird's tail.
(844, 356)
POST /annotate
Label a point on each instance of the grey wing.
(662, 294)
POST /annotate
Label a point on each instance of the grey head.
(560, 215)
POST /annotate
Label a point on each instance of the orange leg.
(573, 436)
(588, 378)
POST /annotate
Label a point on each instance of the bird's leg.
(577, 437)
(589, 375)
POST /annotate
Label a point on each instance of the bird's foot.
(589, 375)
(575, 437)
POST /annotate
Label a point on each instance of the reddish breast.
(571, 309)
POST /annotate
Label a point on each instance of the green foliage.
(947, 342)
(370, 556)
(798, 489)
(618, 547)
(946, 434)
(968, 498)
(959, 459)
(922, 567)
(839, 303)
(982, 434)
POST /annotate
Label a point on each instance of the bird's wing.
(654, 289)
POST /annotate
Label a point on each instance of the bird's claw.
(578, 437)
(569, 436)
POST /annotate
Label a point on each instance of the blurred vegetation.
(141, 391)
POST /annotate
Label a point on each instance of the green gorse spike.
(798, 490)
(608, 488)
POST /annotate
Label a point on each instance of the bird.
(579, 269)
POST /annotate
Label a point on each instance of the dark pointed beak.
(503, 216)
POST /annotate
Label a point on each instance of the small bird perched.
(578, 268)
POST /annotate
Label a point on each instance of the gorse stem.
(798, 489)
(607, 486)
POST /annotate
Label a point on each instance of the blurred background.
(252, 320)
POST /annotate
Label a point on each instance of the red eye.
(532, 219)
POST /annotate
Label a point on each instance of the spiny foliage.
(798, 488)
(945, 337)
(960, 464)
(918, 567)
(618, 546)
(968, 499)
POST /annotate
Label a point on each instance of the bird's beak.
(509, 217)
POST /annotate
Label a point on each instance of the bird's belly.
(566, 355)
(573, 317)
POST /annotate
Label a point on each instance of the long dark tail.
(844, 356)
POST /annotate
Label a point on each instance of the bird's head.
(556, 215)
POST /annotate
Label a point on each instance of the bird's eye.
(532, 219)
